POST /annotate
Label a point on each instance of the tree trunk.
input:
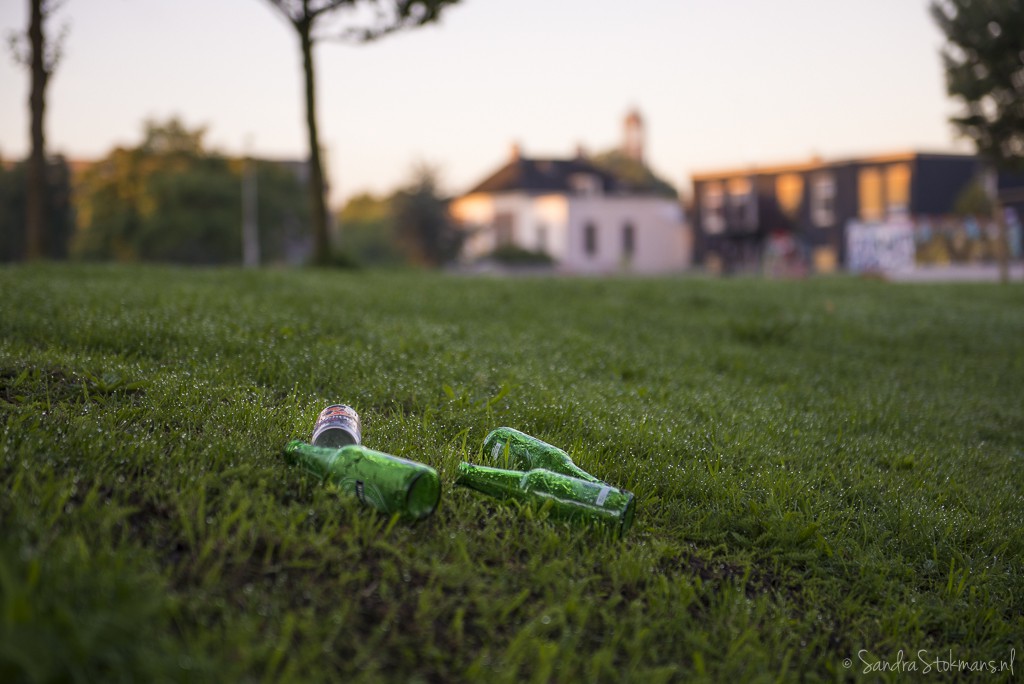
(1003, 248)
(35, 209)
(318, 208)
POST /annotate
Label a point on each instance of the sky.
(719, 83)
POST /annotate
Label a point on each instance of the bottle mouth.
(335, 437)
(423, 495)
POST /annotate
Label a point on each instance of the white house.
(584, 217)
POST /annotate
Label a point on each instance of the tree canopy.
(635, 173)
(410, 226)
(984, 63)
(424, 228)
(368, 19)
(370, 236)
(59, 216)
(170, 199)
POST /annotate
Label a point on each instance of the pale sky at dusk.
(719, 83)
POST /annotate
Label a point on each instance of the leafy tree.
(424, 227)
(59, 218)
(284, 225)
(171, 200)
(311, 20)
(984, 63)
(370, 235)
(635, 173)
(513, 255)
(40, 56)
(974, 200)
(409, 226)
(193, 214)
(156, 201)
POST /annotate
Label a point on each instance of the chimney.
(515, 151)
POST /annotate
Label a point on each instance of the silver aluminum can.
(337, 426)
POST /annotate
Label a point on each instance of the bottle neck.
(493, 481)
(518, 450)
(314, 459)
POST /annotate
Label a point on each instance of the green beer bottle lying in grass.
(388, 483)
(570, 497)
(513, 449)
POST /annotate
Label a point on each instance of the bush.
(511, 255)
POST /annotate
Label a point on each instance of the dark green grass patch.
(827, 473)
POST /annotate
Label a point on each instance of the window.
(713, 209)
(628, 241)
(897, 188)
(869, 193)
(825, 259)
(504, 226)
(823, 200)
(742, 203)
(590, 239)
(789, 191)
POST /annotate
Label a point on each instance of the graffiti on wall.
(902, 244)
(962, 240)
(884, 247)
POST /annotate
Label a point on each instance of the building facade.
(581, 232)
(739, 214)
(580, 214)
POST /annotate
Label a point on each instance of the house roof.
(522, 174)
(817, 163)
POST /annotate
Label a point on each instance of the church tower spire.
(633, 136)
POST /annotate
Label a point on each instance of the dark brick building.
(737, 212)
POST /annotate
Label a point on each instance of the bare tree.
(41, 57)
(369, 20)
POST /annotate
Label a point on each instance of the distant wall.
(661, 239)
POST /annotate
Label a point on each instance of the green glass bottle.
(570, 497)
(513, 449)
(388, 483)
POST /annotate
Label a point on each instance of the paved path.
(966, 273)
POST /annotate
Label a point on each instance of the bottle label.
(603, 494)
(368, 493)
(496, 451)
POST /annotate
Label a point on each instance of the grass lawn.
(825, 471)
